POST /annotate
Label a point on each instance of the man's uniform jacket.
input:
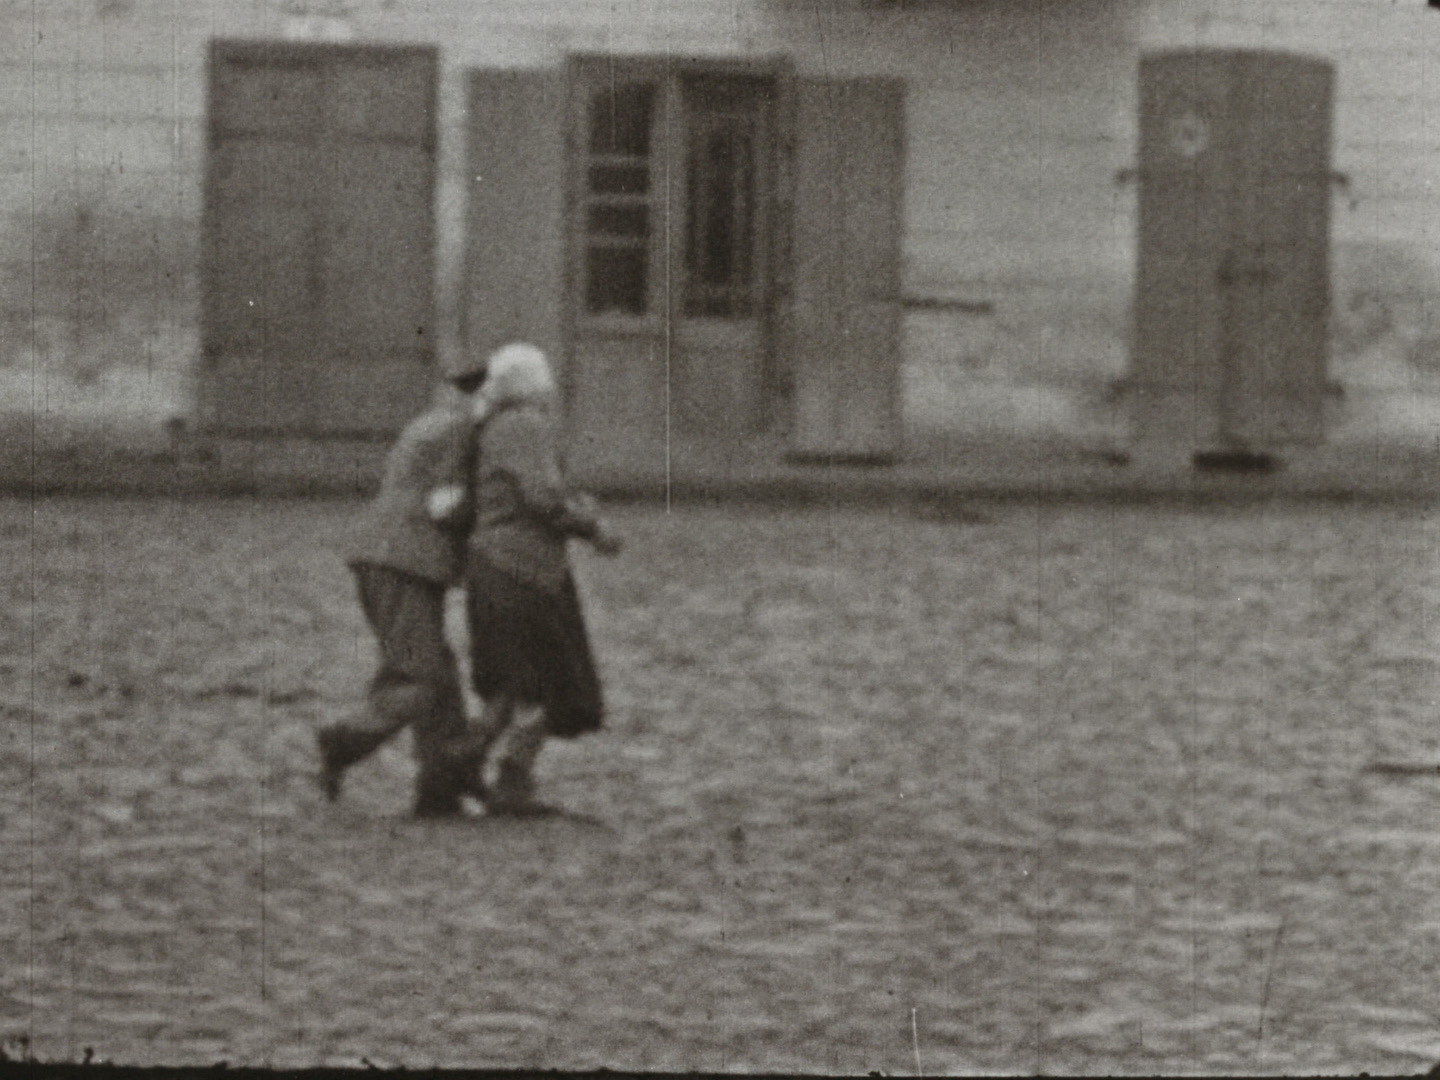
(396, 530)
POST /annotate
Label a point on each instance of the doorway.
(710, 249)
(673, 241)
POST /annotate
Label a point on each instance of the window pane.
(615, 280)
(626, 221)
(619, 179)
(620, 119)
(720, 239)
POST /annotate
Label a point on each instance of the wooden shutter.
(318, 238)
(1276, 286)
(844, 326)
(264, 216)
(515, 226)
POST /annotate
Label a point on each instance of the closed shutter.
(515, 258)
(1277, 284)
(319, 242)
(844, 262)
(1232, 291)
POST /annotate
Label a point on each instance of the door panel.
(618, 303)
(1187, 154)
(377, 258)
(1284, 107)
(1276, 300)
(620, 408)
(845, 327)
(1179, 320)
(381, 100)
(725, 160)
(278, 95)
(267, 274)
(257, 169)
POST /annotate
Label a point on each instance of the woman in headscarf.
(530, 657)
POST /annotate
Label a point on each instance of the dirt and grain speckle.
(1058, 790)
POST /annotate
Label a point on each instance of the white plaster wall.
(1020, 113)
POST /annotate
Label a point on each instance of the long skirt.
(531, 643)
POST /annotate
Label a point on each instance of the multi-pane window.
(689, 150)
(617, 199)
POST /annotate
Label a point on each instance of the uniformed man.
(404, 558)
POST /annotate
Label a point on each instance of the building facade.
(830, 227)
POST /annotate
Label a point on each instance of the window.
(672, 188)
(722, 177)
(617, 199)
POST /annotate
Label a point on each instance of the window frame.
(588, 71)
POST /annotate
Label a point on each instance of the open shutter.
(844, 326)
(515, 258)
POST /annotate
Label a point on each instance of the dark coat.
(396, 529)
(523, 516)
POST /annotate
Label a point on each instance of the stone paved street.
(1038, 788)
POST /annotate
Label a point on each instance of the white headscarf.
(517, 374)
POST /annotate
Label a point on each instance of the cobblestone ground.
(1062, 790)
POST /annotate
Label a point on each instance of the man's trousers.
(416, 684)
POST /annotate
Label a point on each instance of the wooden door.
(617, 296)
(318, 246)
(1187, 154)
(844, 325)
(1232, 290)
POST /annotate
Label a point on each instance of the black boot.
(340, 747)
(464, 762)
(514, 794)
(436, 797)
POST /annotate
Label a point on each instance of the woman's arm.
(519, 456)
